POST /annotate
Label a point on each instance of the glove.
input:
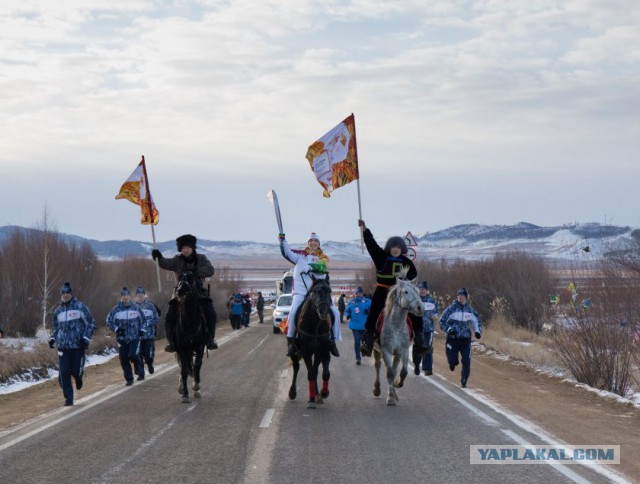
(156, 254)
(141, 333)
(52, 342)
(281, 236)
(120, 332)
(84, 343)
(478, 335)
(450, 331)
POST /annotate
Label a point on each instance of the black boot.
(366, 347)
(292, 350)
(333, 349)
(170, 348)
(211, 344)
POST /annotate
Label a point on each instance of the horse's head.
(405, 294)
(320, 298)
(186, 285)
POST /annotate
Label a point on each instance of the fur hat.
(423, 285)
(66, 288)
(396, 242)
(125, 292)
(463, 292)
(186, 240)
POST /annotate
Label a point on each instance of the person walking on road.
(356, 313)
(341, 307)
(455, 323)
(260, 308)
(236, 308)
(429, 318)
(127, 320)
(148, 338)
(73, 326)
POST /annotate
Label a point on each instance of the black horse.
(190, 338)
(314, 321)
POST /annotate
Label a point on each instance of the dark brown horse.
(190, 339)
(314, 321)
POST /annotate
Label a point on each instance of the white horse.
(403, 298)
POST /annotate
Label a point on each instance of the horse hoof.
(196, 387)
(319, 400)
(180, 385)
(324, 393)
(185, 400)
(398, 383)
(292, 394)
(391, 402)
(376, 391)
(311, 404)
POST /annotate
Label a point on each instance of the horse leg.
(389, 364)
(316, 365)
(196, 373)
(296, 367)
(403, 371)
(377, 364)
(326, 374)
(312, 375)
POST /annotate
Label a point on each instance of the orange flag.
(136, 190)
(334, 157)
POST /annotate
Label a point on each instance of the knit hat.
(186, 240)
(396, 242)
(66, 288)
(314, 236)
(125, 292)
(463, 292)
(423, 285)
(140, 290)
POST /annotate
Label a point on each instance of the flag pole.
(355, 142)
(153, 231)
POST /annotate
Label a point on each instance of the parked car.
(281, 311)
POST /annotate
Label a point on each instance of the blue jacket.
(456, 318)
(237, 307)
(431, 309)
(128, 318)
(357, 311)
(151, 315)
(72, 322)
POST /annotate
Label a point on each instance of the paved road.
(245, 430)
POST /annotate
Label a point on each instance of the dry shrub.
(597, 343)
(14, 360)
(518, 342)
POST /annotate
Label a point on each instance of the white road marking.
(266, 420)
(258, 345)
(524, 425)
(113, 391)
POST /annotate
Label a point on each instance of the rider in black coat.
(188, 261)
(389, 262)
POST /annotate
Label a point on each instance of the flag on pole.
(334, 157)
(136, 190)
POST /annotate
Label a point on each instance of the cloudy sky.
(494, 111)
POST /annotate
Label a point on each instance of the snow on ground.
(29, 378)
(632, 398)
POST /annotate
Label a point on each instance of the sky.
(491, 112)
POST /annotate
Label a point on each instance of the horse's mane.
(401, 276)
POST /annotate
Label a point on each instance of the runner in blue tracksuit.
(356, 313)
(455, 323)
(430, 316)
(73, 326)
(127, 320)
(147, 340)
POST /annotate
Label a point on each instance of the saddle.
(380, 323)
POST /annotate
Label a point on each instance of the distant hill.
(471, 241)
